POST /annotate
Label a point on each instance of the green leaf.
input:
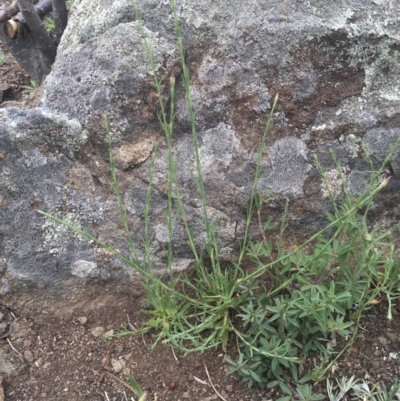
(273, 383)
(305, 379)
(286, 398)
(285, 388)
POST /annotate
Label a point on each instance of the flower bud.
(172, 79)
(384, 183)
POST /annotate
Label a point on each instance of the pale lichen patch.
(332, 185)
(56, 235)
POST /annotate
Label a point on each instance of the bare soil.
(64, 356)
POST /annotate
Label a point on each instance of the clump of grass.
(343, 390)
(50, 25)
(312, 290)
(132, 385)
(33, 87)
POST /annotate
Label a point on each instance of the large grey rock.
(334, 64)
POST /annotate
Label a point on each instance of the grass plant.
(33, 87)
(50, 25)
(2, 58)
(293, 302)
(132, 385)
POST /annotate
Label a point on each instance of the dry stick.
(144, 341)
(200, 381)
(13, 347)
(212, 385)
(16, 27)
(45, 45)
(42, 8)
(8, 12)
(173, 352)
(131, 326)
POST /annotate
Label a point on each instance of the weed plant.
(50, 25)
(293, 303)
(33, 87)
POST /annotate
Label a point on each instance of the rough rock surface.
(334, 64)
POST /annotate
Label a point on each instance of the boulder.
(336, 68)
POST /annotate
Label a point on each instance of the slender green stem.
(250, 211)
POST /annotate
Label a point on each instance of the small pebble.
(28, 356)
(229, 388)
(98, 331)
(117, 364)
(383, 340)
(393, 336)
(82, 320)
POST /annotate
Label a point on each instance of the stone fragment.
(7, 364)
(82, 320)
(98, 331)
(131, 154)
(84, 269)
(392, 336)
(383, 340)
(117, 364)
(28, 356)
(19, 329)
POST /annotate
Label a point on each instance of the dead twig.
(14, 348)
(144, 341)
(173, 352)
(200, 381)
(212, 385)
(131, 326)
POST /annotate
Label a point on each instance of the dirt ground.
(63, 356)
(57, 357)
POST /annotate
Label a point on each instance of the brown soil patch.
(63, 356)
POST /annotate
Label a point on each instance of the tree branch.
(14, 27)
(60, 14)
(44, 43)
(8, 12)
(42, 7)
